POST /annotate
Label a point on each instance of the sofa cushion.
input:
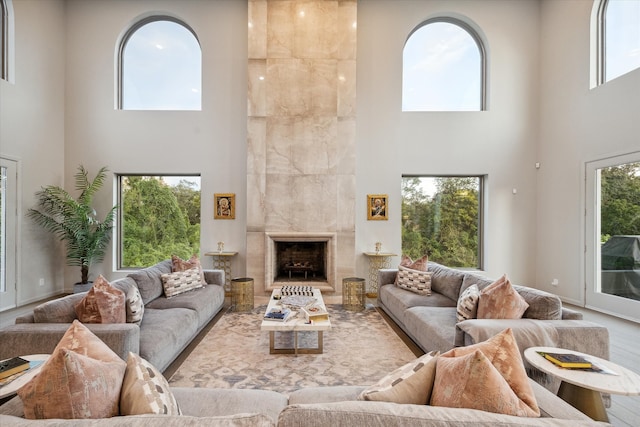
(409, 384)
(542, 305)
(468, 303)
(102, 304)
(432, 328)
(502, 351)
(149, 280)
(180, 282)
(81, 379)
(205, 302)
(61, 310)
(145, 390)
(416, 281)
(501, 301)
(446, 281)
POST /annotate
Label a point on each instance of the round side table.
(353, 293)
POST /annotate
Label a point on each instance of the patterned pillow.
(178, 264)
(468, 303)
(471, 381)
(81, 379)
(102, 304)
(145, 390)
(415, 281)
(181, 281)
(502, 351)
(500, 300)
(134, 306)
(409, 384)
(419, 264)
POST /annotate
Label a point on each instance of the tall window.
(160, 66)
(443, 68)
(619, 32)
(8, 232)
(442, 217)
(159, 217)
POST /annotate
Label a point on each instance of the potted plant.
(75, 221)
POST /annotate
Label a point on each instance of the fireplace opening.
(301, 261)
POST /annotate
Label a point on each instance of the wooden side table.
(377, 260)
(222, 261)
(582, 388)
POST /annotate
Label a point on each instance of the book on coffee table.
(278, 314)
(567, 360)
(13, 366)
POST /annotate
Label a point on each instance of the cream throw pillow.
(409, 384)
(416, 281)
(181, 281)
(468, 303)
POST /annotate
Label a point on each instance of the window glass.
(161, 68)
(621, 37)
(159, 217)
(441, 216)
(442, 69)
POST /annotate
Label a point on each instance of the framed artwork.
(224, 206)
(377, 206)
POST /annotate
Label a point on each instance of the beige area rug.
(359, 349)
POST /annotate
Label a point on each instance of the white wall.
(211, 142)
(500, 142)
(32, 132)
(577, 125)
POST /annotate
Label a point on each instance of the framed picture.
(377, 206)
(224, 206)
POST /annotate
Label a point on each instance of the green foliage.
(444, 226)
(159, 220)
(75, 222)
(620, 200)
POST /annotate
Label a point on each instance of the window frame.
(123, 44)
(480, 43)
(6, 40)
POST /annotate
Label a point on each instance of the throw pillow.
(102, 304)
(502, 351)
(500, 300)
(419, 264)
(145, 390)
(178, 264)
(471, 381)
(81, 379)
(415, 281)
(468, 303)
(181, 282)
(409, 384)
(134, 305)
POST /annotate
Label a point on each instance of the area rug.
(359, 349)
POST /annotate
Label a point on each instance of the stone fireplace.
(301, 128)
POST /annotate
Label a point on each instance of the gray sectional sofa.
(313, 407)
(168, 324)
(431, 320)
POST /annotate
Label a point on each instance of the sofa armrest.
(569, 314)
(42, 338)
(214, 277)
(387, 276)
(27, 318)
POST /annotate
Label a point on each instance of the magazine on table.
(278, 314)
(576, 362)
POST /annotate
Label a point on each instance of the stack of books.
(13, 366)
(567, 360)
(278, 314)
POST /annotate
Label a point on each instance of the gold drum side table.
(353, 293)
(242, 294)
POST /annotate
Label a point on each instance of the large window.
(160, 66)
(442, 217)
(619, 34)
(8, 232)
(443, 68)
(159, 217)
(613, 235)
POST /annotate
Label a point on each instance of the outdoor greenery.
(75, 221)
(159, 220)
(446, 225)
(620, 200)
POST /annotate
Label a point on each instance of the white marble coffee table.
(582, 388)
(295, 324)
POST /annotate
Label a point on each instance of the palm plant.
(75, 221)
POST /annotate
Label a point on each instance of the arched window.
(619, 38)
(160, 66)
(6, 39)
(443, 68)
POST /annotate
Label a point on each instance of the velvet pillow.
(502, 351)
(471, 381)
(467, 307)
(410, 384)
(500, 300)
(102, 304)
(415, 281)
(145, 390)
(81, 379)
(178, 264)
(181, 282)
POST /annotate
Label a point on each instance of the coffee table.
(294, 324)
(582, 388)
